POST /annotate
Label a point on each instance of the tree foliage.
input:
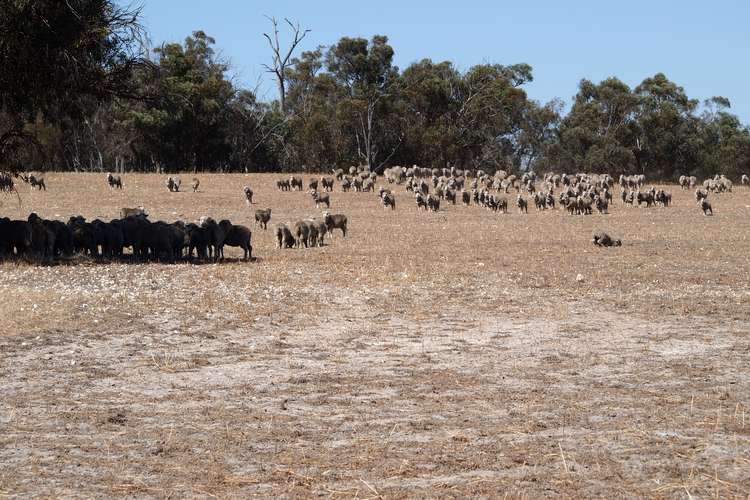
(59, 60)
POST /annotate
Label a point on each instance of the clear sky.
(702, 45)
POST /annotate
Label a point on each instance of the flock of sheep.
(47, 240)
(44, 240)
(580, 194)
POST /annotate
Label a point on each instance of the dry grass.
(448, 354)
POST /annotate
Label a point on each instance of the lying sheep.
(133, 212)
(602, 239)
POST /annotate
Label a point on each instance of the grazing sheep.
(647, 198)
(540, 201)
(34, 181)
(321, 199)
(312, 232)
(421, 201)
(114, 181)
(327, 183)
(284, 185)
(301, 233)
(6, 182)
(602, 239)
(236, 236)
(523, 205)
(706, 206)
(284, 236)
(550, 200)
(173, 184)
(322, 229)
(216, 237)
(570, 203)
(662, 197)
(449, 195)
(346, 184)
(335, 221)
(295, 183)
(700, 195)
(248, 195)
(602, 205)
(389, 200)
(502, 205)
(312, 185)
(433, 203)
(584, 205)
(196, 183)
(745, 180)
(465, 197)
(262, 217)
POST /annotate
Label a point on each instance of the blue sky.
(703, 46)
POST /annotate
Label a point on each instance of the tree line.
(80, 91)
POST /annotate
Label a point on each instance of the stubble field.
(446, 354)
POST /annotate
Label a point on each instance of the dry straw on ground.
(447, 354)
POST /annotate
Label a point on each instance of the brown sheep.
(335, 221)
(262, 217)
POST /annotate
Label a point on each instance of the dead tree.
(282, 62)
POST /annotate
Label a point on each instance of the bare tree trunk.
(282, 95)
(282, 62)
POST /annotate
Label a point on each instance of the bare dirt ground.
(426, 355)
